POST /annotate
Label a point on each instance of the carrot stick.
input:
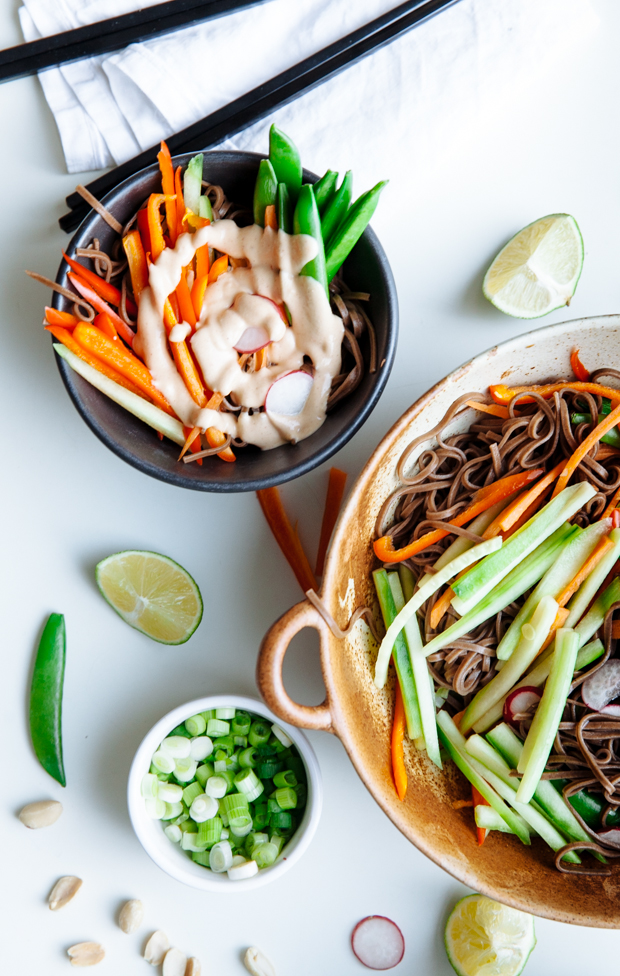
(136, 259)
(527, 514)
(193, 441)
(604, 546)
(482, 500)
(615, 519)
(105, 323)
(180, 202)
(560, 617)
(578, 368)
(103, 288)
(64, 319)
(513, 512)
(277, 519)
(154, 218)
(113, 354)
(503, 394)
(215, 438)
(260, 358)
(479, 801)
(491, 408)
(218, 267)
(440, 607)
(615, 499)
(64, 336)
(270, 219)
(121, 327)
(198, 294)
(143, 228)
(215, 401)
(398, 734)
(202, 260)
(184, 298)
(586, 445)
(167, 184)
(333, 501)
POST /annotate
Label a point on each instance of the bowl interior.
(168, 855)
(502, 868)
(366, 269)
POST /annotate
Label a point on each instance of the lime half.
(538, 270)
(151, 593)
(484, 938)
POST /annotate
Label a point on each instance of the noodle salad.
(498, 590)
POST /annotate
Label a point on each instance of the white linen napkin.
(395, 108)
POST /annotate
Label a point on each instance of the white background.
(551, 145)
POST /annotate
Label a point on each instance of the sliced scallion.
(217, 727)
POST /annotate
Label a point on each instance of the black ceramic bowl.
(366, 269)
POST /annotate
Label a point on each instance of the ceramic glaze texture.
(360, 714)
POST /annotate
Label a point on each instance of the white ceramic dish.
(168, 856)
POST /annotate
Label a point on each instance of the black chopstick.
(261, 101)
(111, 35)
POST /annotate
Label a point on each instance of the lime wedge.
(484, 938)
(151, 593)
(538, 270)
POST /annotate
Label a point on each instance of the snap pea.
(351, 229)
(590, 808)
(283, 209)
(337, 207)
(306, 220)
(46, 697)
(324, 189)
(284, 157)
(264, 191)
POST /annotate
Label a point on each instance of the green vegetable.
(612, 436)
(259, 733)
(284, 157)
(337, 207)
(590, 808)
(351, 229)
(265, 191)
(306, 220)
(192, 184)
(487, 818)
(324, 188)
(204, 208)
(46, 697)
(421, 676)
(241, 723)
(595, 616)
(591, 585)
(284, 209)
(286, 778)
(400, 653)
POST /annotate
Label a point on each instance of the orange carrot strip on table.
(136, 259)
(604, 546)
(398, 734)
(167, 184)
(154, 218)
(479, 801)
(105, 323)
(218, 268)
(513, 512)
(491, 408)
(120, 359)
(184, 298)
(586, 445)
(503, 394)
(215, 438)
(98, 303)
(180, 202)
(64, 319)
(482, 500)
(66, 337)
(277, 519)
(198, 294)
(333, 501)
(271, 219)
(578, 368)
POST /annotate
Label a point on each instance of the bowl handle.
(269, 668)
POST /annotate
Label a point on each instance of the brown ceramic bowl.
(360, 715)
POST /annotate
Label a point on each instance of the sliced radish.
(289, 393)
(254, 338)
(604, 685)
(611, 836)
(519, 702)
(279, 308)
(378, 942)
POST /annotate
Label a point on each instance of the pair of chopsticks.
(262, 101)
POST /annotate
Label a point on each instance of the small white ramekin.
(168, 856)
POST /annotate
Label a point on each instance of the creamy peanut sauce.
(232, 304)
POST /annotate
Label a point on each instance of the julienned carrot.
(218, 267)
(615, 519)
(184, 299)
(189, 372)
(482, 500)
(198, 294)
(440, 607)
(613, 503)
(333, 501)
(103, 288)
(154, 217)
(143, 228)
(105, 323)
(513, 512)
(479, 801)
(578, 368)
(192, 440)
(167, 184)
(277, 519)
(117, 357)
(215, 438)
(64, 319)
(66, 337)
(260, 358)
(560, 618)
(491, 408)
(136, 259)
(271, 219)
(87, 292)
(202, 260)
(604, 546)
(586, 445)
(527, 514)
(503, 394)
(398, 734)
(215, 401)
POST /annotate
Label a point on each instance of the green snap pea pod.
(324, 189)
(337, 208)
(590, 808)
(284, 209)
(611, 437)
(265, 191)
(306, 220)
(284, 157)
(351, 229)
(46, 697)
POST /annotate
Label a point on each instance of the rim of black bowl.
(123, 434)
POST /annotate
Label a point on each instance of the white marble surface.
(553, 145)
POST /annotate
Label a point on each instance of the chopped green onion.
(201, 856)
(170, 792)
(281, 735)
(259, 733)
(241, 723)
(149, 786)
(278, 841)
(302, 792)
(201, 747)
(173, 810)
(235, 805)
(203, 808)
(195, 725)
(155, 809)
(216, 786)
(286, 797)
(265, 855)
(192, 791)
(203, 773)
(210, 713)
(286, 778)
(173, 833)
(163, 762)
(225, 713)
(177, 746)
(181, 730)
(240, 741)
(221, 857)
(185, 769)
(240, 872)
(247, 758)
(209, 832)
(189, 841)
(261, 816)
(241, 826)
(248, 783)
(216, 728)
(269, 768)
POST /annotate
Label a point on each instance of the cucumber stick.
(461, 544)
(400, 654)
(588, 589)
(487, 818)
(595, 616)
(475, 584)
(548, 715)
(192, 184)
(421, 675)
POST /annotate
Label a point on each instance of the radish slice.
(253, 339)
(378, 942)
(279, 309)
(603, 687)
(519, 702)
(289, 393)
